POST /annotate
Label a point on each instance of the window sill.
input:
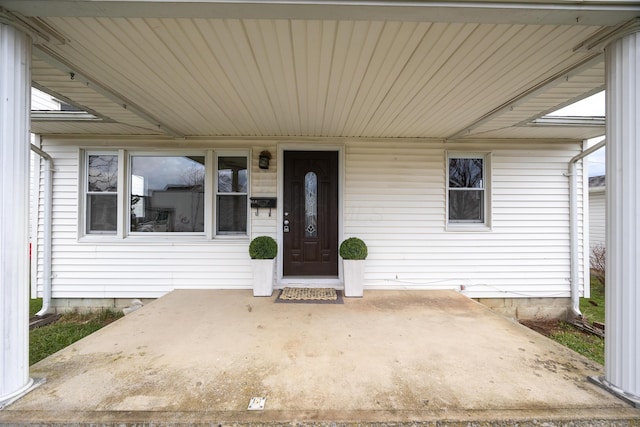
(472, 228)
(162, 240)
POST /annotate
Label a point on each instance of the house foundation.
(517, 308)
(89, 305)
(529, 308)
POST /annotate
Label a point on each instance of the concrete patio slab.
(197, 357)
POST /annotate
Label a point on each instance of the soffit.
(465, 69)
(64, 86)
(71, 127)
(333, 78)
(515, 119)
(552, 12)
(541, 132)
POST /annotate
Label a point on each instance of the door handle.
(285, 226)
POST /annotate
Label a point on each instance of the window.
(311, 205)
(467, 185)
(231, 195)
(167, 194)
(101, 193)
(135, 193)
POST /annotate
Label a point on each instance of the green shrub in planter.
(263, 247)
(353, 248)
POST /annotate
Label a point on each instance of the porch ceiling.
(154, 68)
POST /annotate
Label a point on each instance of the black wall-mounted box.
(263, 202)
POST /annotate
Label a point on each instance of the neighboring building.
(597, 211)
(41, 101)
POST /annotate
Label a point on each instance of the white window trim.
(214, 197)
(83, 219)
(123, 232)
(486, 225)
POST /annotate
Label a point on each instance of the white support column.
(622, 341)
(15, 90)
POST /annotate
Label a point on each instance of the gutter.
(48, 203)
(573, 220)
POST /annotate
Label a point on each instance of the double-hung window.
(101, 193)
(467, 194)
(231, 194)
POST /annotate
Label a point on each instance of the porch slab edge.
(627, 397)
(469, 418)
(32, 385)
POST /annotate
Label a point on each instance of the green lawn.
(71, 327)
(593, 308)
(34, 306)
(589, 345)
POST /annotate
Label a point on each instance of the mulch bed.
(38, 321)
(549, 327)
(544, 327)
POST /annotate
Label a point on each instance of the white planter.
(353, 271)
(262, 277)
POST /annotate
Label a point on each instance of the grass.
(34, 306)
(589, 345)
(70, 328)
(593, 308)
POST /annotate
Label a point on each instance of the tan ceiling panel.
(544, 132)
(333, 78)
(568, 89)
(65, 87)
(86, 128)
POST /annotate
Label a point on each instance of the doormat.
(310, 296)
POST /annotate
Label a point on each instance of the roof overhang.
(604, 13)
(598, 122)
(375, 69)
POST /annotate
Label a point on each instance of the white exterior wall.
(395, 199)
(393, 196)
(141, 267)
(597, 217)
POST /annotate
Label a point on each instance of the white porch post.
(622, 341)
(15, 89)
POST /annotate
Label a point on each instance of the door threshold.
(310, 282)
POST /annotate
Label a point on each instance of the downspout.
(573, 221)
(47, 211)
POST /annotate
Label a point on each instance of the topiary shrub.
(263, 247)
(353, 248)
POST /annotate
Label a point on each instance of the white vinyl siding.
(393, 196)
(137, 266)
(264, 184)
(597, 217)
(395, 199)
